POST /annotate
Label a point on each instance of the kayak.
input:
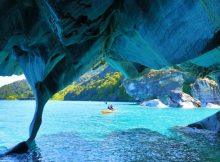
(108, 111)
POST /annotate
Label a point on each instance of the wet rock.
(19, 149)
(211, 123)
(55, 42)
(153, 103)
(211, 105)
(124, 146)
(198, 126)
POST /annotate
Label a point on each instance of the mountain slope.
(102, 84)
(16, 90)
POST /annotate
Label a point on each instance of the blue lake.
(77, 131)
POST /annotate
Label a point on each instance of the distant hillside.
(16, 90)
(102, 84)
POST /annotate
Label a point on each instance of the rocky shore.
(173, 88)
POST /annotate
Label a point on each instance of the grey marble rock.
(206, 90)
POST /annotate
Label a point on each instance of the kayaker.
(110, 107)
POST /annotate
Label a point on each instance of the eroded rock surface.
(206, 90)
(54, 42)
(181, 99)
(155, 103)
(164, 86)
(154, 84)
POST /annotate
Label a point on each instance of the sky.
(8, 80)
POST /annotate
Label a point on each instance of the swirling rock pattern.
(54, 42)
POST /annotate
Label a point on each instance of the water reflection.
(121, 146)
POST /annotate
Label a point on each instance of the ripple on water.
(131, 145)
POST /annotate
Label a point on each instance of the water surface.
(77, 131)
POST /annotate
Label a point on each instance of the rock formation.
(155, 84)
(206, 90)
(153, 103)
(172, 86)
(181, 99)
(54, 42)
(167, 85)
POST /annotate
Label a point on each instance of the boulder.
(211, 105)
(166, 85)
(153, 103)
(181, 99)
(154, 84)
(206, 90)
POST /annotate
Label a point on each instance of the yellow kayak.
(108, 111)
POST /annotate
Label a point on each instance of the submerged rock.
(210, 123)
(55, 42)
(121, 146)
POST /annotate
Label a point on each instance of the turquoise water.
(77, 131)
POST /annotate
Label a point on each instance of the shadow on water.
(130, 145)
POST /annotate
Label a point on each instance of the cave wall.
(54, 42)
